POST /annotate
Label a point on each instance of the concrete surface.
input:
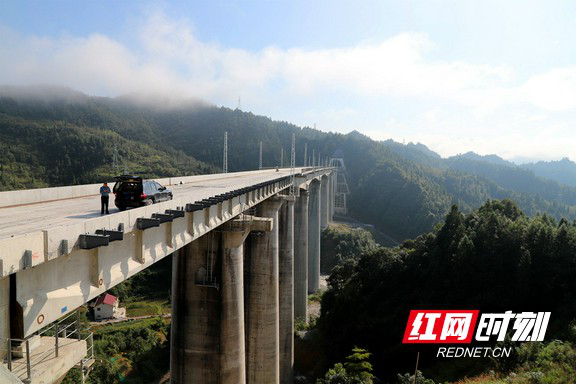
(45, 366)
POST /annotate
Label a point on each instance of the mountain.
(57, 136)
(492, 159)
(562, 171)
(52, 136)
(415, 152)
(515, 178)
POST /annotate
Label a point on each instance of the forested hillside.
(563, 171)
(60, 137)
(493, 259)
(54, 136)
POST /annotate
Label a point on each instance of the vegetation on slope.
(51, 143)
(493, 259)
(341, 242)
(136, 351)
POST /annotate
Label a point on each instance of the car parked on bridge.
(132, 191)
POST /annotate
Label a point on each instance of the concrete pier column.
(195, 338)
(232, 336)
(262, 301)
(286, 290)
(4, 314)
(324, 202)
(314, 238)
(301, 256)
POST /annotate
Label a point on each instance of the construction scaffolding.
(340, 186)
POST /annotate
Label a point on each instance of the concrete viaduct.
(246, 254)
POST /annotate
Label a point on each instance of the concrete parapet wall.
(31, 196)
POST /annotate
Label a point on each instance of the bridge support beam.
(314, 238)
(262, 301)
(195, 347)
(286, 290)
(301, 256)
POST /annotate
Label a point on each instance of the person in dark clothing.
(104, 198)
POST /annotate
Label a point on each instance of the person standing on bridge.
(104, 198)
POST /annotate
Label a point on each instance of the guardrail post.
(9, 354)
(92, 345)
(78, 324)
(28, 368)
(56, 339)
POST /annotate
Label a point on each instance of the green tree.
(356, 370)
(358, 366)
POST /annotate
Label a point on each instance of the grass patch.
(483, 379)
(301, 325)
(147, 308)
(124, 326)
(315, 297)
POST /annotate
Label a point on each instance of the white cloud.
(554, 90)
(171, 57)
(449, 104)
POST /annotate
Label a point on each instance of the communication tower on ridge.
(260, 157)
(341, 189)
(225, 160)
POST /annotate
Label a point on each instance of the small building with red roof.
(106, 307)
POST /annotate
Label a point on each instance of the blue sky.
(488, 76)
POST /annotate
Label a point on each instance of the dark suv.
(132, 191)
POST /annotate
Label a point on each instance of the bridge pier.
(195, 347)
(4, 314)
(286, 290)
(232, 336)
(314, 238)
(301, 256)
(262, 301)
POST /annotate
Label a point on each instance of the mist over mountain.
(492, 159)
(563, 171)
(56, 136)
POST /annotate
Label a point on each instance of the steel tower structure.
(341, 190)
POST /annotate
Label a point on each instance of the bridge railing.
(19, 357)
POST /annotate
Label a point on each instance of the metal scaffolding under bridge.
(341, 189)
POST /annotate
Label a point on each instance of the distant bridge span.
(250, 278)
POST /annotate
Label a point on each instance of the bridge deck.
(44, 242)
(21, 219)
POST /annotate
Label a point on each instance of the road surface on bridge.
(27, 218)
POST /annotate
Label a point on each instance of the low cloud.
(169, 59)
